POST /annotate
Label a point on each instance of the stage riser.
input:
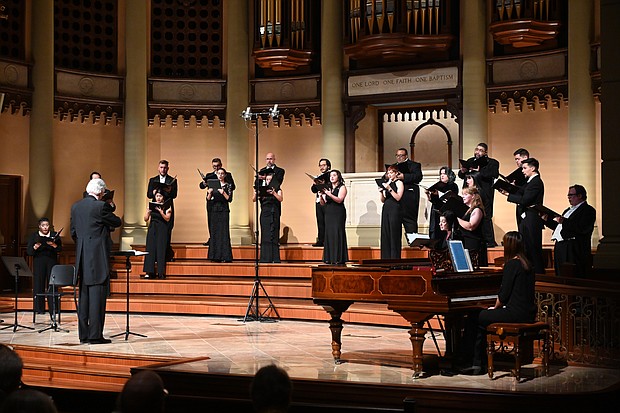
(65, 368)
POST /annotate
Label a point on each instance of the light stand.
(253, 312)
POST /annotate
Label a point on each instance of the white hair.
(95, 186)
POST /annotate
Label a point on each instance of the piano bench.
(519, 335)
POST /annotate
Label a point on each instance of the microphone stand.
(253, 311)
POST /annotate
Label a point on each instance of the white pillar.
(475, 110)
(238, 95)
(135, 121)
(332, 111)
(42, 115)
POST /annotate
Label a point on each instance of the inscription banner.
(407, 81)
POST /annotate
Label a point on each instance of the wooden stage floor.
(375, 358)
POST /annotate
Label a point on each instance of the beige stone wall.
(14, 147)
(79, 149)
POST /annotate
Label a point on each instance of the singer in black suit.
(91, 220)
(410, 173)
(573, 233)
(324, 166)
(44, 246)
(531, 226)
(273, 169)
(216, 163)
(488, 169)
(169, 186)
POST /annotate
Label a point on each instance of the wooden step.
(87, 370)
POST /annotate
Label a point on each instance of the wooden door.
(10, 201)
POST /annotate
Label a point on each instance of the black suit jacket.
(579, 226)
(532, 193)
(91, 221)
(154, 181)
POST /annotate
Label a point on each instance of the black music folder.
(516, 177)
(214, 183)
(380, 183)
(165, 205)
(474, 163)
(543, 210)
(52, 237)
(453, 202)
(321, 181)
(437, 186)
(108, 196)
(501, 184)
(262, 190)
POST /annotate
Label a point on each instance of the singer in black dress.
(44, 246)
(391, 215)
(335, 250)
(220, 249)
(446, 183)
(157, 238)
(270, 210)
(471, 225)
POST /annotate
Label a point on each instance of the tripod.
(127, 255)
(14, 265)
(253, 311)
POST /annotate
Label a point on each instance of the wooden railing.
(584, 316)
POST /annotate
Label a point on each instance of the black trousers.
(320, 223)
(410, 203)
(91, 311)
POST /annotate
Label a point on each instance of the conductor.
(91, 221)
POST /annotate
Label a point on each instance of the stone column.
(41, 181)
(581, 107)
(608, 254)
(474, 122)
(236, 44)
(332, 110)
(136, 122)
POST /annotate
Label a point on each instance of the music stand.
(127, 254)
(18, 268)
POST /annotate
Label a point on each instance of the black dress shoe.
(100, 341)
(83, 341)
(206, 244)
(317, 244)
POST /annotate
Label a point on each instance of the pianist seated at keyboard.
(515, 301)
(446, 226)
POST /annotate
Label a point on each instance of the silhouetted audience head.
(28, 401)
(271, 390)
(11, 367)
(144, 392)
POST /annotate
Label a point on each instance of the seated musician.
(446, 226)
(515, 301)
